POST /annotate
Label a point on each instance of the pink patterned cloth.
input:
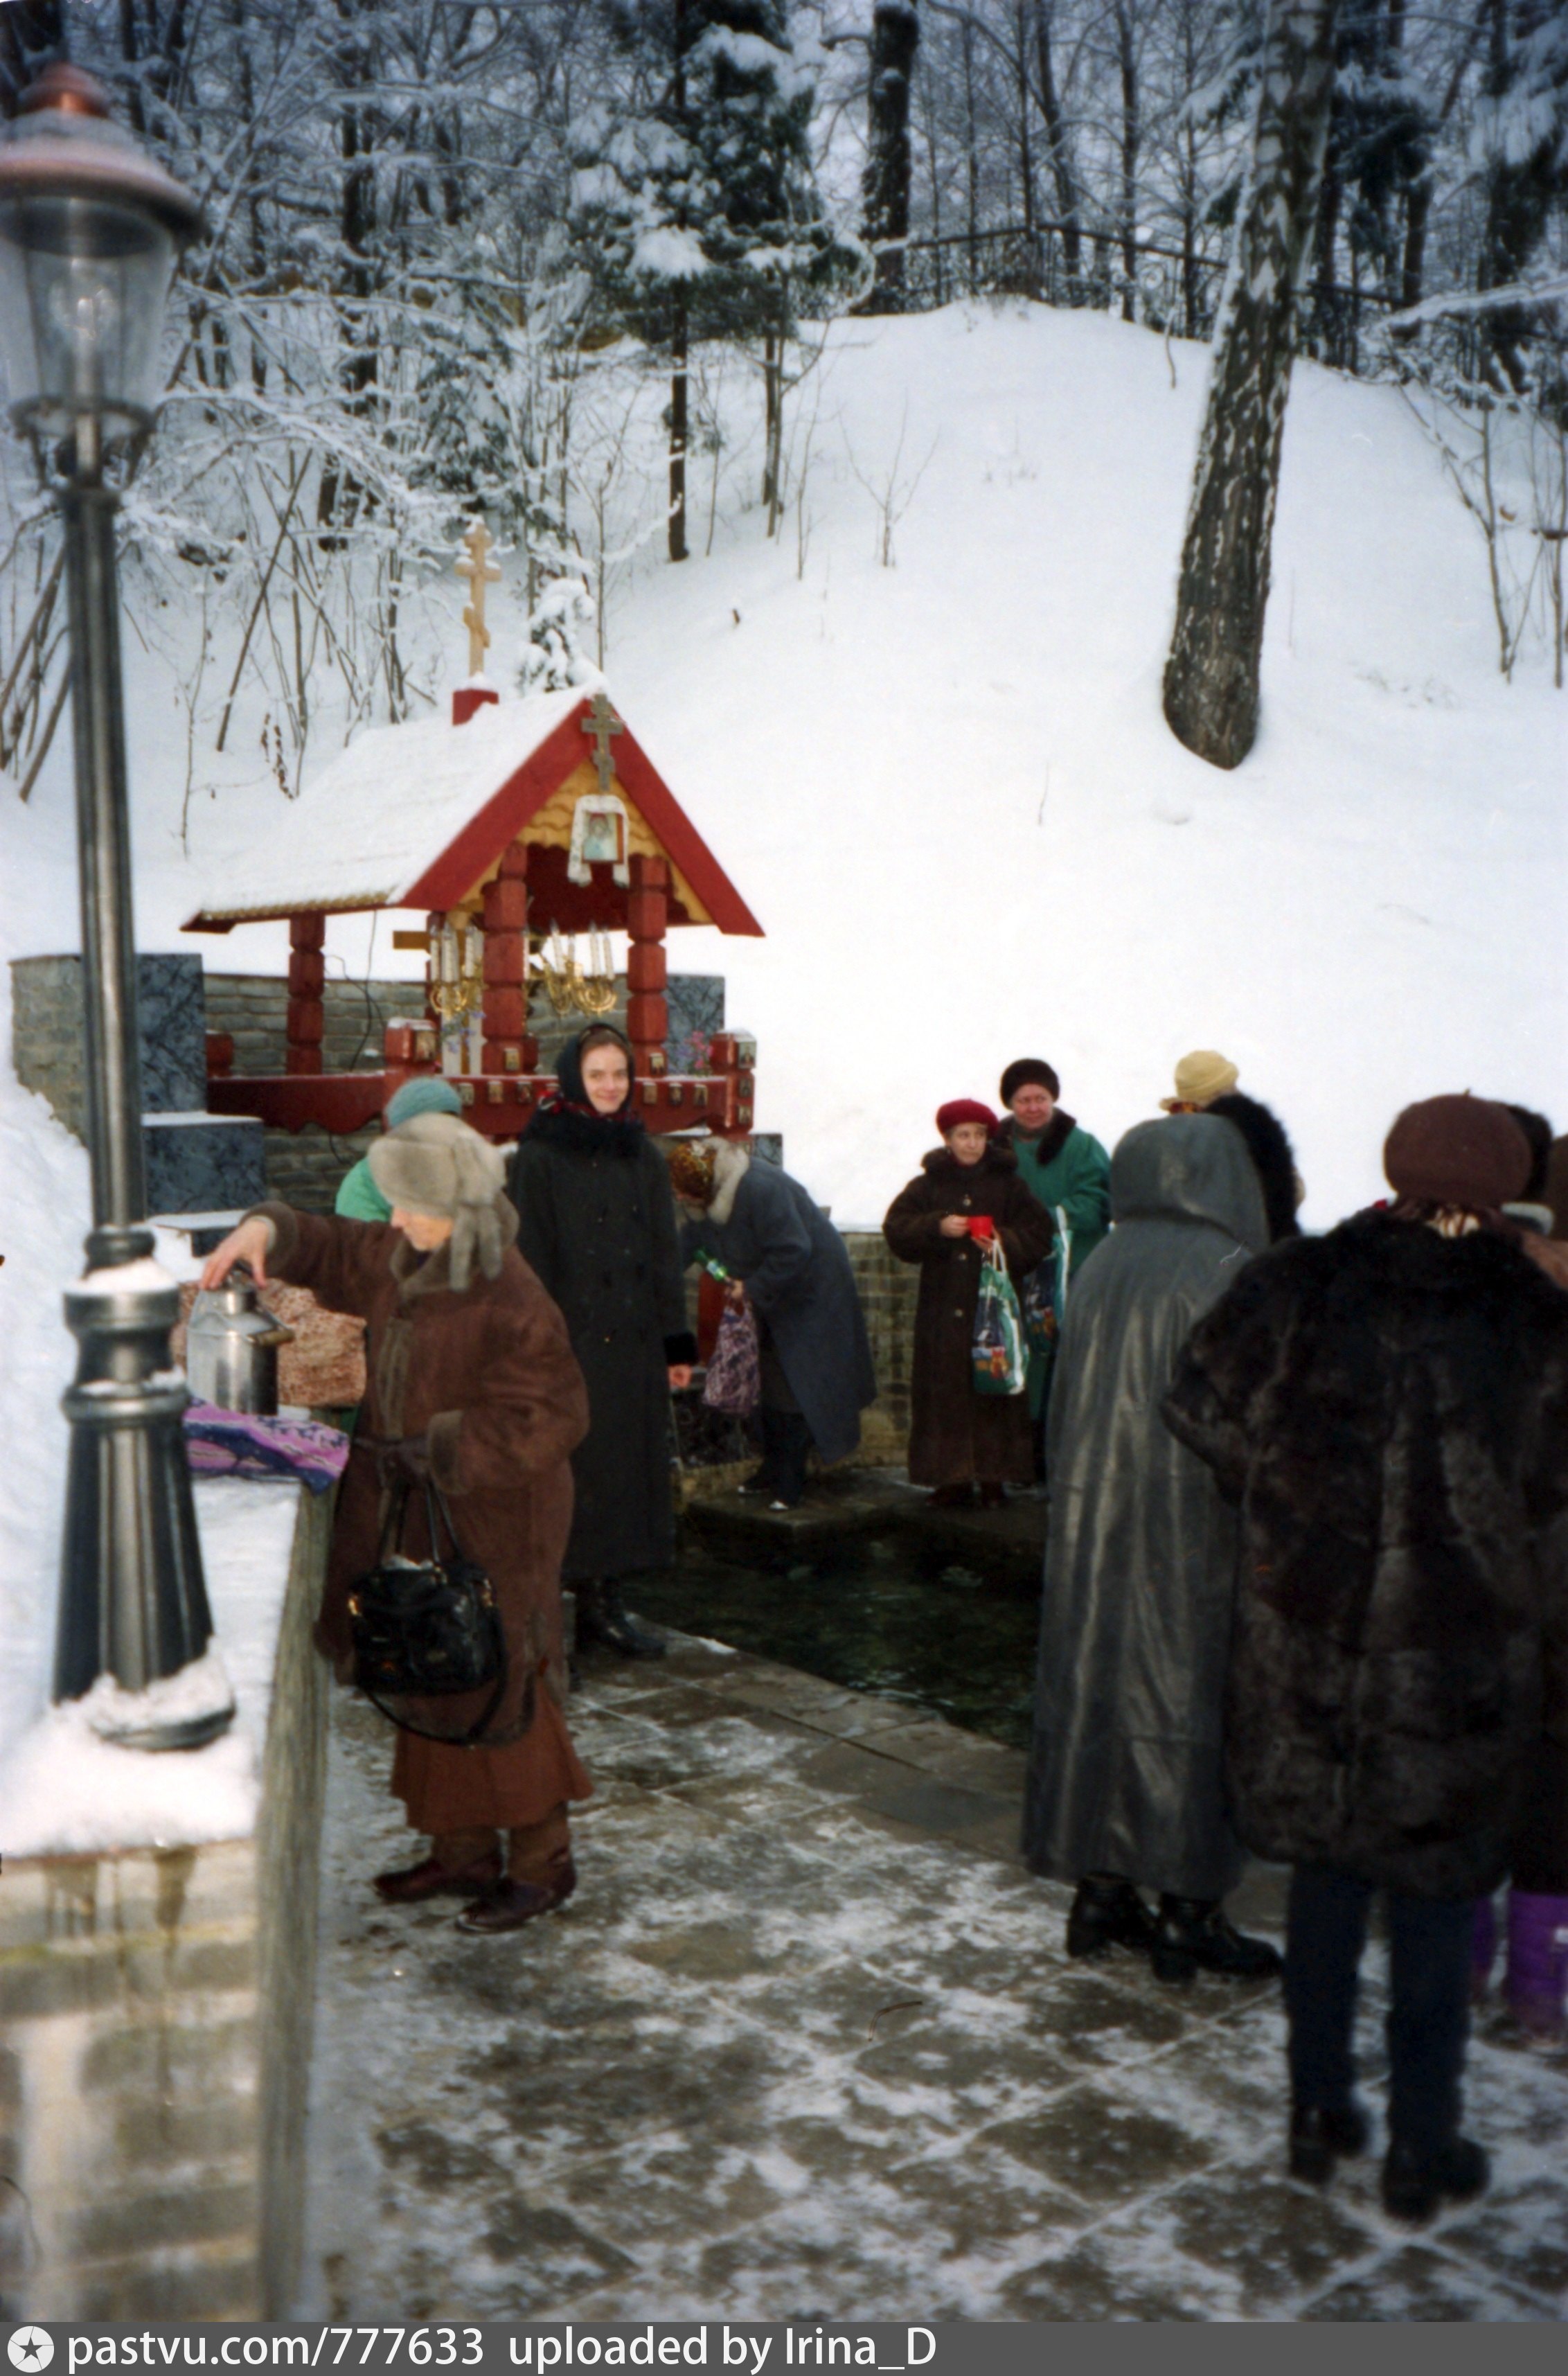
(288, 1451)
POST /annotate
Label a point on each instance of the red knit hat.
(959, 1109)
(1456, 1151)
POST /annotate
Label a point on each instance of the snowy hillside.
(947, 790)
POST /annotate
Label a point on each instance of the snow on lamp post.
(89, 232)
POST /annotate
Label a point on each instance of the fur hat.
(962, 1109)
(425, 1093)
(1463, 1151)
(1026, 1069)
(692, 1163)
(1203, 1074)
(437, 1166)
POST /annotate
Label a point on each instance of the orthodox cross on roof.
(601, 724)
(480, 572)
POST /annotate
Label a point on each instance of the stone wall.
(196, 1163)
(253, 1008)
(155, 2028)
(887, 1290)
(47, 1034)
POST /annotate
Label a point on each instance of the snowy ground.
(64, 1791)
(806, 2045)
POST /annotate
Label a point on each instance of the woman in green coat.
(1070, 1173)
(359, 1198)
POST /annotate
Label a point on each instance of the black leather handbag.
(427, 1630)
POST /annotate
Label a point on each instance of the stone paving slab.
(805, 2044)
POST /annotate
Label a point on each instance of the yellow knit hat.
(1201, 1077)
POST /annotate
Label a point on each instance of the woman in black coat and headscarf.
(596, 1223)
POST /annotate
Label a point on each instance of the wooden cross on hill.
(480, 571)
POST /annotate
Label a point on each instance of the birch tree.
(884, 185)
(1211, 676)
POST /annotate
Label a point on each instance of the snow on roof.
(363, 831)
(415, 815)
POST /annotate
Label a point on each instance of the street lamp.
(90, 230)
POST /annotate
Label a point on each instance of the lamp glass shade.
(83, 284)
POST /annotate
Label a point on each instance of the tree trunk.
(1020, 63)
(1211, 677)
(1062, 176)
(773, 426)
(1521, 192)
(884, 185)
(678, 431)
(1127, 63)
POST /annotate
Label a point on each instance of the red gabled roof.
(505, 815)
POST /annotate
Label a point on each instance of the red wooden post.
(306, 1025)
(435, 921)
(648, 1016)
(507, 1047)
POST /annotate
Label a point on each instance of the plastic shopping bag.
(998, 1356)
(1045, 1291)
(734, 1373)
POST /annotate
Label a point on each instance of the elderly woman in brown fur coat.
(472, 1386)
(968, 1189)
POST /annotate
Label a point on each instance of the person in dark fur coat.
(1272, 1159)
(969, 1189)
(1389, 1407)
(596, 1223)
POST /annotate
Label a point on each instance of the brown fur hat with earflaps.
(436, 1164)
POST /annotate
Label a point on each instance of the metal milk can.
(232, 1349)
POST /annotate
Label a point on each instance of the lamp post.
(90, 230)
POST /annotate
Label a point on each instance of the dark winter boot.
(1320, 2133)
(763, 1478)
(1107, 1912)
(792, 1440)
(1483, 1949)
(1192, 1935)
(605, 1622)
(1416, 2179)
(1537, 1963)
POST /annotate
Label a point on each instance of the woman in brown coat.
(970, 1189)
(472, 1386)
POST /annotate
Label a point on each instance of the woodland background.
(449, 246)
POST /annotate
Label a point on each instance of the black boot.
(764, 1479)
(1107, 1912)
(1193, 1935)
(1320, 2133)
(1415, 2180)
(604, 1619)
(791, 1442)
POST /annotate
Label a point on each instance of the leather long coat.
(1126, 1767)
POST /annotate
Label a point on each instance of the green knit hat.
(425, 1093)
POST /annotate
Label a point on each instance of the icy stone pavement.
(806, 2045)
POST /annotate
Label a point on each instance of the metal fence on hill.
(1168, 288)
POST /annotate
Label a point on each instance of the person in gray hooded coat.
(1124, 1785)
(818, 1374)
